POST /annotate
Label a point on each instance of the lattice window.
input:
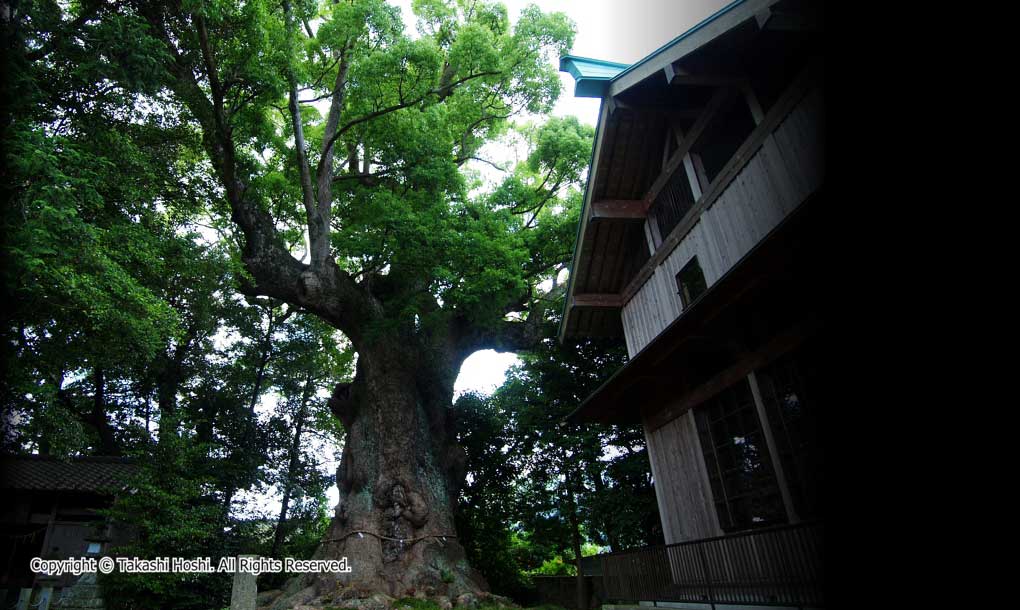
(740, 470)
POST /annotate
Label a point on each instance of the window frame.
(686, 300)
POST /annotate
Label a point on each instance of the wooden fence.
(781, 566)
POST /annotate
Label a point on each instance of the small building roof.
(48, 473)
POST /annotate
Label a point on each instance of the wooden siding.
(681, 484)
(782, 173)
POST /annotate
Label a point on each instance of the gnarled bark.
(401, 469)
(398, 479)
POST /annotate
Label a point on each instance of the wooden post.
(773, 449)
(242, 597)
(688, 160)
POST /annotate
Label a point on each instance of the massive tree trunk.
(400, 471)
(399, 476)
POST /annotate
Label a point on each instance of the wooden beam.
(770, 443)
(582, 238)
(787, 101)
(699, 169)
(669, 111)
(693, 178)
(611, 301)
(677, 75)
(752, 103)
(707, 80)
(786, 21)
(613, 104)
(652, 236)
(715, 105)
(619, 209)
(670, 72)
(747, 362)
(708, 31)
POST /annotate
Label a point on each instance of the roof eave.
(721, 21)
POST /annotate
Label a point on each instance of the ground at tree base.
(298, 597)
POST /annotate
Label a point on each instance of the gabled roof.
(47, 473)
(608, 254)
(590, 75)
(694, 37)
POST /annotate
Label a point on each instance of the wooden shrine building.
(703, 244)
(50, 511)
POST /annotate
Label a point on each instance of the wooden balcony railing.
(779, 566)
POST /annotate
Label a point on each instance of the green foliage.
(413, 603)
(127, 334)
(554, 567)
(170, 514)
(531, 475)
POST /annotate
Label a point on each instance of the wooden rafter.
(718, 102)
(706, 80)
(619, 209)
(612, 301)
(786, 21)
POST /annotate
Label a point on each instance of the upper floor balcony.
(701, 150)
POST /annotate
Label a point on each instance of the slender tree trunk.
(107, 441)
(398, 479)
(581, 601)
(166, 402)
(604, 519)
(292, 467)
(148, 417)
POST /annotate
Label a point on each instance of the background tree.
(541, 491)
(123, 333)
(362, 216)
(311, 362)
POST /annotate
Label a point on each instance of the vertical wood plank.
(786, 167)
(770, 443)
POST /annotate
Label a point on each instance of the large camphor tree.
(338, 156)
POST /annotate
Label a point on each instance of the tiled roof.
(75, 474)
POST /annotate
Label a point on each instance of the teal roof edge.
(590, 75)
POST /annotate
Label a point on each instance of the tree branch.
(324, 171)
(328, 292)
(509, 335)
(89, 11)
(318, 227)
(462, 160)
(440, 91)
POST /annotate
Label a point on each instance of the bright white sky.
(623, 31)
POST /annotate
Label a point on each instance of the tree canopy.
(218, 214)
(542, 491)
